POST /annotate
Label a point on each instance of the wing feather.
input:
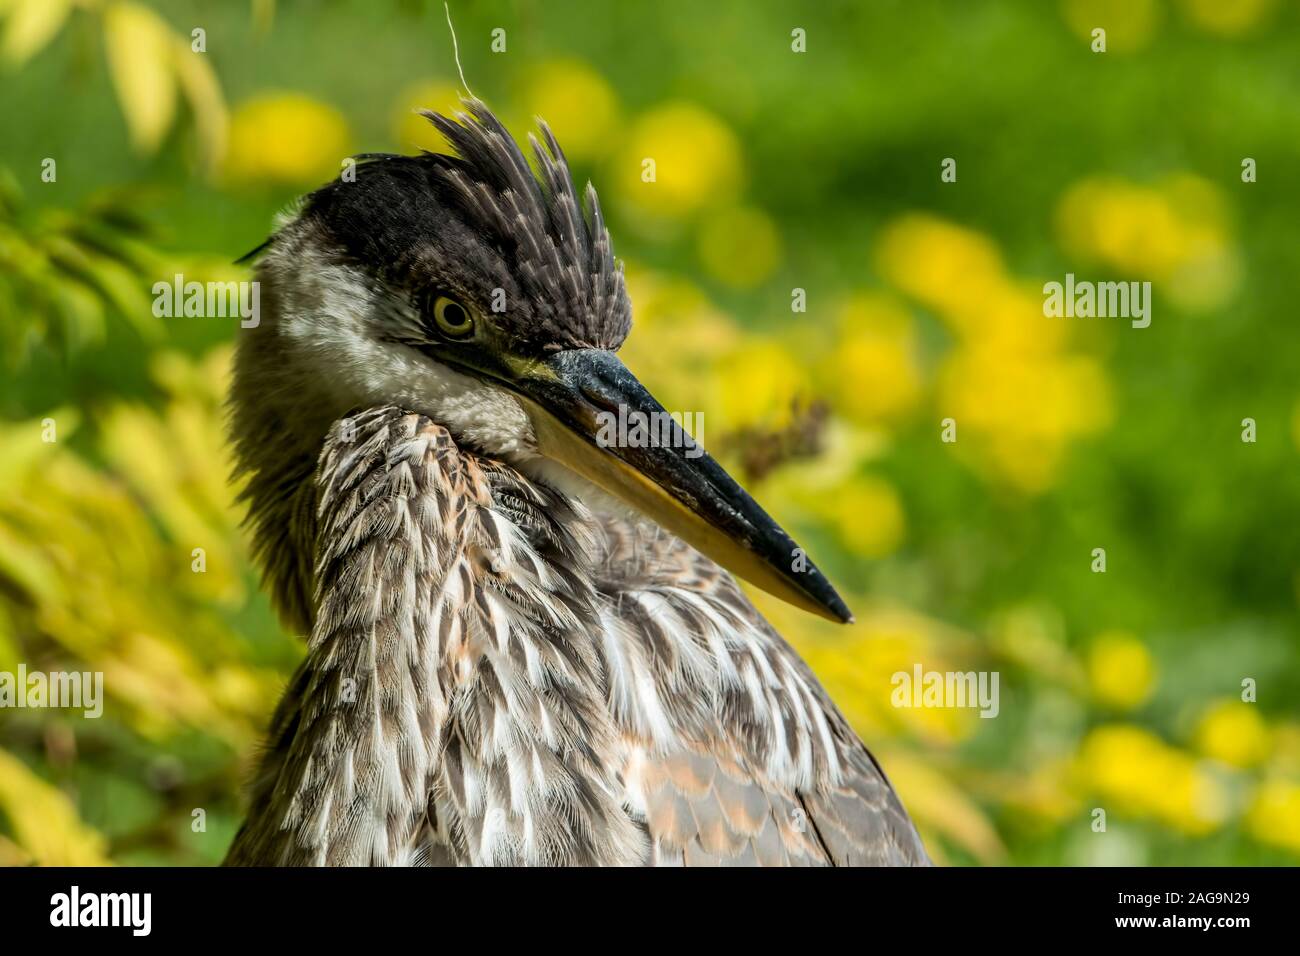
(757, 765)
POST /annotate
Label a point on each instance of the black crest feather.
(486, 211)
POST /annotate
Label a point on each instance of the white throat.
(330, 323)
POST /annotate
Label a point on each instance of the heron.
(525, 646)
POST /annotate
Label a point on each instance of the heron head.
(484, 293)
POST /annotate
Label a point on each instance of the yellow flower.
(1233, 731)
(576, 102)
(872, 372)
(411, 130)
(756, 385)
(941, 264)
(875, 529)
(1121, 224)
(1274, 814)
(1008, 384)
(1229, 19)
(1129, 24)
(1134, 771)
(695, 158)
(1008, 316)
(1021, 411)
(739, 246)
(286, 139)
(1176, 233)
(1121, 672)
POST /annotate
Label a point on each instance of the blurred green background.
(777, 170)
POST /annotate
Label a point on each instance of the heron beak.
(581, 403)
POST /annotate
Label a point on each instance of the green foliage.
(64, 275)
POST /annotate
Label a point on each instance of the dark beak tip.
(827, 598)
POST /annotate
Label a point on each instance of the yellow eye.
(453, 319)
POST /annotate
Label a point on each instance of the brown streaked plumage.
(506, 665)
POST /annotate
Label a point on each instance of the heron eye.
(452, 318)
